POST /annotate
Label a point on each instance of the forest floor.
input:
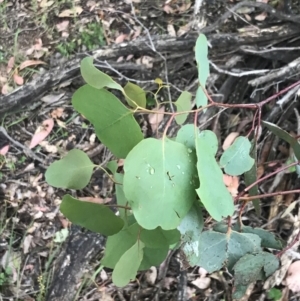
(34, 35)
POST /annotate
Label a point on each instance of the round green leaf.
(74, 171)
(95, 217)
(236, 159)
(159, 183)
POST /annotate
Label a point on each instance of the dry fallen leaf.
(4, 150)
(30, 63)
(19, 80)
(74, 12)
(232, 184)
(6, 89)
(62, 26)
(171, 30)
(45, 3)
(121, 38)
(293, 277)
(168, 9)
(57, 113)
(42, 132)
(49, 147)
(229, 140)
(261, 17)
(10, 64)
(202, 281)
(26, 243)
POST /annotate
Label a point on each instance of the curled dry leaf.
(42, 132)
(293, 277)
(29, 63)
(156, 119)
(229, 140)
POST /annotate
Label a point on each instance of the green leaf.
(274, 294)
(250, 178)
(201, 52)
(183, 103)
(217, 249)
(112, 166)
(211, 251)
(201, 99)
(190, 228)
(268, 240)
(186, 136)
(74, 171)
(95, 77)
(153, 257)
(120, 196)
(127, 267)
(249, 268)
(236, 160)
(239, 244)
(212, 192)
(135, 93)
(95, 217)
(285, 136)
(118, 244)
(159, 238)
(121, 199)
(239, 291)
(159, 183)
(114, 124)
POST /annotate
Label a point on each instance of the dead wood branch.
(221, 43)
